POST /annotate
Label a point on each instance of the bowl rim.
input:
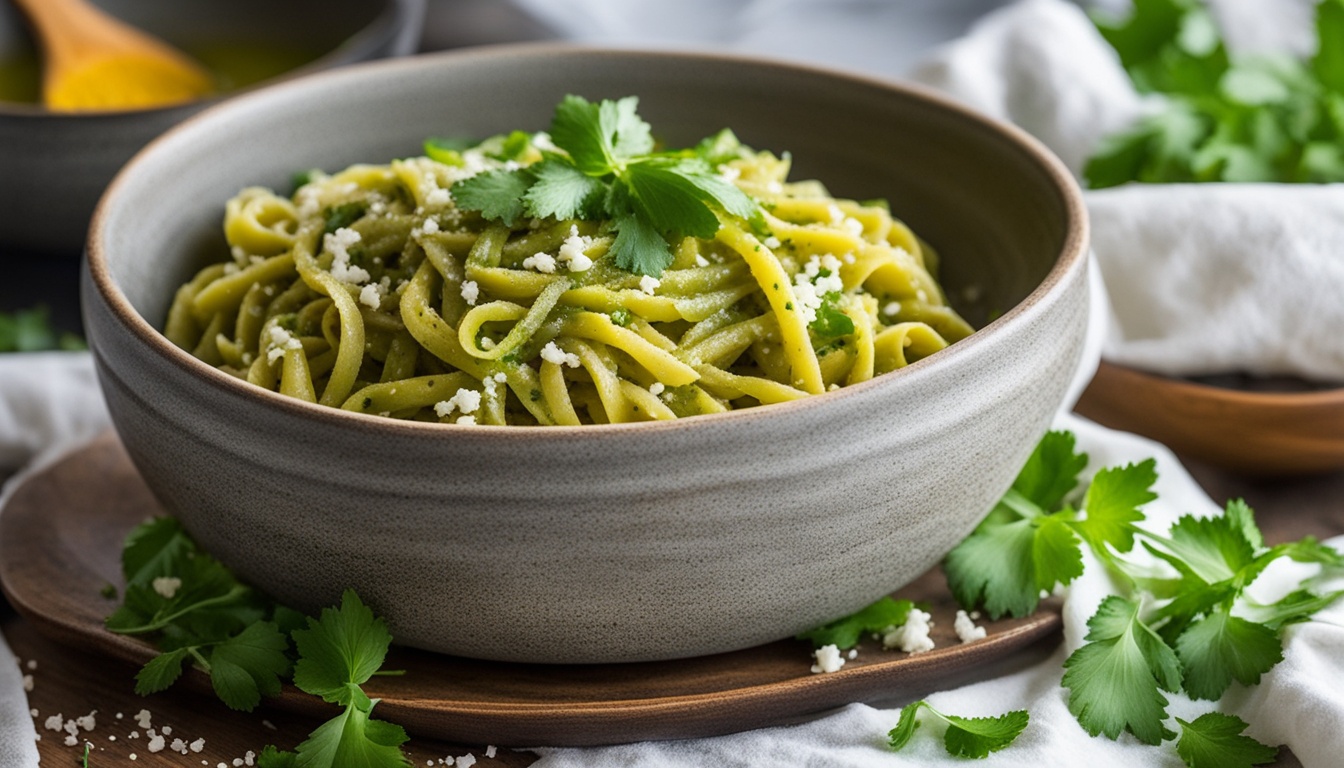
(1072, 254)
(382, 29)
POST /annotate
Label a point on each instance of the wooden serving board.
(60, 544)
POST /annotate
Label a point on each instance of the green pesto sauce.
(235, 65)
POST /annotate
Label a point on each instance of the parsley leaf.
(639, 248)
(1214, 740)
(1116, 680)
(831, 321)
(1113, 501)
(1052, 470)
(249, 665)
(844, 633)
(353, 739)
(973, 737)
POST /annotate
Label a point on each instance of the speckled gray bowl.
(600, 543)
(53, 166)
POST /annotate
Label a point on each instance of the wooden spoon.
(95, 62)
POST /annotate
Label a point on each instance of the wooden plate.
(1250, 431)
(60, 544)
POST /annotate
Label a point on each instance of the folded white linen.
(1203, 278)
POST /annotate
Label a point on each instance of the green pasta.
(375, 290)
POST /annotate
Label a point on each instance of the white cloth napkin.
(1209, 278)
(49, 403)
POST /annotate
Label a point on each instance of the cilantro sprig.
(30, 330)
(1246, 118)
(1191, 628)
(973, 737)
(844, 633)
(196, 611)
(608, 171)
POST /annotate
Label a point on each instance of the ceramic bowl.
(56, 165)
(617, 542)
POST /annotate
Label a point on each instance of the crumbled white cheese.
(371, 296)
(464, 400)
(430, 226)
(197, 745)
(541, 262)
(156, 744)
(465, 761)
(143, 718)
(28, 683)
(810, 286)
(649, 284)
(179, 746)
(828, 659)
(701, 261)
(490, 751)
(892, 308)
(470, 292)
(54, 723)
(656, 388)
(71, 741)
(280, 340)
(573, 251)
(553, 354)
(913, 635)
(966, 628)
(729, 173)
(87, 722)
(835, 213)
(853, 654)
(469, 421)
(437, 197)
(772, 242)
(339, 243)
(166, 586)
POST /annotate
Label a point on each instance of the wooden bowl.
(1264, 433)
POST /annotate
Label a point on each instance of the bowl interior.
(987, 199)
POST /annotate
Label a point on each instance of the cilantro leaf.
(271, 757)
(1296, 606)
(845, 632)
(30, 331)
(151, 548)
(831, 322)
(669, 200)
(1057, 557)
(1328, 63)
(340, 650)
(561, 191)
(1052, 470)
(600, 137)
(1212, 548)
(496, 194)
(1113, 501)
(973, 737)
(994, 566)
(1214, 740)
(249, 665)
(160, 672)
(1221, 648)
(1116, 679)
(639, 248)
(353, 740)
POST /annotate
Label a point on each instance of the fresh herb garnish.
(844, 633)
(1245, 118)
(973, 737)
(29, 330)
(338, 653)
(1214, 740)
(1191, 630)
(196, 611)
(609, 171)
